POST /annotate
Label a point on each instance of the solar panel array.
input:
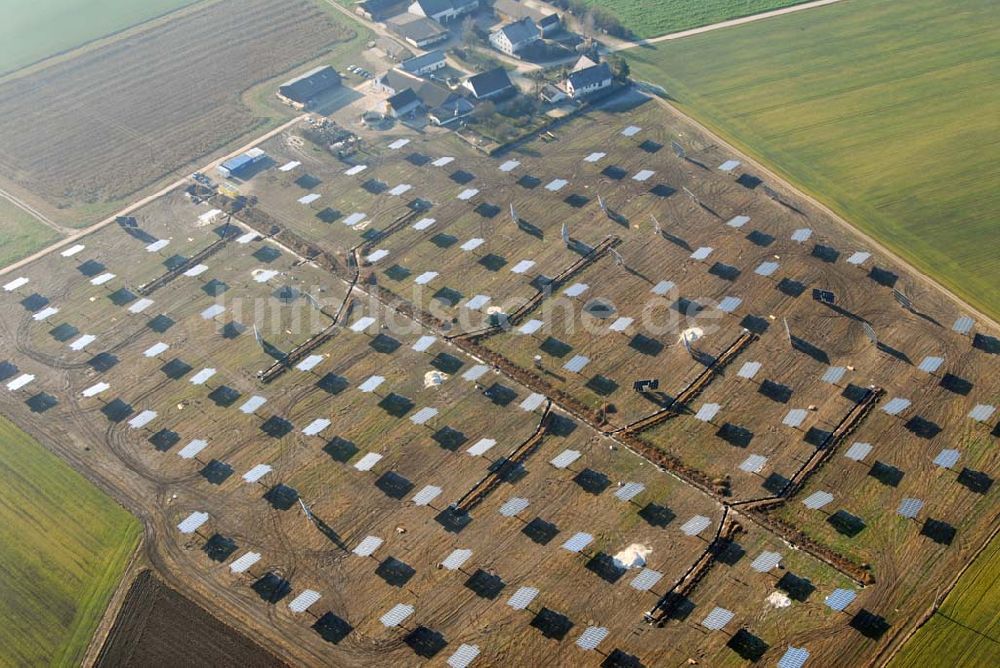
(522, 598)
(839, 599)
(591, 637)
(717, 619)
(766, 561)
(794, 657)
(646, 579)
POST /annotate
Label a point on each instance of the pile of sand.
(633, 556)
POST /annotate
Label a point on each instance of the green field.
(651, 18)
(965, 631)
(888, 112)
(32, 31)
(20, 233)
(63, 547)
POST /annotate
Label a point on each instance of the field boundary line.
(34, 213)
(117, 600)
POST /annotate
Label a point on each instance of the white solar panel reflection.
(858, 451)
(513, 507)
(576, 289)
(95, 389)
(749, 370)
(717, 619)
(532, 401)
(212, 311)
(426, 495)
(730, 304)
(766, 561)
(202, 376)
(591, 637)
(753, 463)
(252, 404)
(368, 461)
(45, 313)
(468, 194)
(302, 602)
(15, 284)
(509, 165)
(910, 508)
(565, 458)
(463, 656)
(629, 491)
(707, 412)
(423, 223)
(663, 287)
(362, 324)
(839, 599)
(396, 615)
(157, 245)
(289, 166)
(594, 157)
(702, 253)
(192, 522)
(309, 199)
(729, 165)
(947, 458)
(896, 406)
(555, 185)
(477, 302)
(476, 372)
(368, 546)
(423, 415)
(244, 563)
(794, 657)
(472, 244)
(766, 268)
(398, 144)
(963, 325)
(354, 219)
(423, 343)
(695, 525)
(481, 446)
(982, 412)
(795, 417)
(155, 349)
(82, 342)
(631, 130)
(577, 542)
(196, 270)
(817, 500)
(577, 363)
(456, 559)
(425, 278)
(140, 305)
(256, 473)
(931, 364)
(643, 175)
(442, 161)
(142, 419)
(738, 221)
(646, 579)
(522, 598)
(191, 450)
(20, 381)
(371, 384)
(522, 266)
(72, 250)
(530, 327)
(400, 189)
(858, 258)
(104, 278)
(801, 234)
(833, 374)
(621, 324)
(355, 170)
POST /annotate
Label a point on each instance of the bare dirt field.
(90, 131)
(406, 421)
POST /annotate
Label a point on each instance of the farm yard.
(424, 440)
(869, 110)
(63, 546)
(101, 109)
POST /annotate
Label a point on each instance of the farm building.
(443, 11)
(589, 80)
(424, 64)
(241, 164)
(513, 10)
(402, 104)
(419, 31)
(549, 24)
(379, 10)
(490, 84)
(514, 37)
(443, 106)
(304, 89)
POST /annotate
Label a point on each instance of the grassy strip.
(21, 234)
(652, 18)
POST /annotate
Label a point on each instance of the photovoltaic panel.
(963, 325)
(371, 384)
(509, 166)
(456, 559)
(522, 266)
(289, 166)
(802, 234)
(663, 287)
(749, 370)
(591, 637)
(426, 495)
(646, 579)
(15, 284)
(397, 615)
(192, 522)
(157, 348)
(95, 389)
(82, 342)
(817, 500)
(463, 656)
(522, 598)
(472, 244)
(631, 130)
(354, 219)
(355, 170)
(729, 304)
(982, 412)
(556, 184)
(565, 458)
(532, 401)
(45, 313)
(213, 311)
(738, 221)
(398, 144)
(530, 327)
(442, 161)
(142, 419)
(368, 546)
(316, 426)
(910, 508)
(20, 381)
(400, 189)
(256, 473)
(377, 255)
(794, 657)
(729, 165)
(931, 364)
(858, 451)
(578, 541)
(695, 525)
(513, 506)
(247, 238)
(191, 450)
(594, 157)
(476, 372)
(701, 253)
(425, 278)
(833, 374)
(363, 323)
(244, 563)
(252, 404)
(621, 324)
(368, 461)
(72, 250)
(157, 246)
(766, 268)
(717, 619)
(423, 415)
(302, 602)
(196, 270)
(795, 417)
(643, 175)
(140, 305)
(577, 363)
(707, 412)
(423, 343)
(202, 376)
(766, 561)
(753, 463)
(629, 491)
(947, 458)
(468, 194)
(481, 447)
(576, 289)
(477, 302)
(309, 199)
(858, 258)
(896, 406)
(104, 278)
(839, 599)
